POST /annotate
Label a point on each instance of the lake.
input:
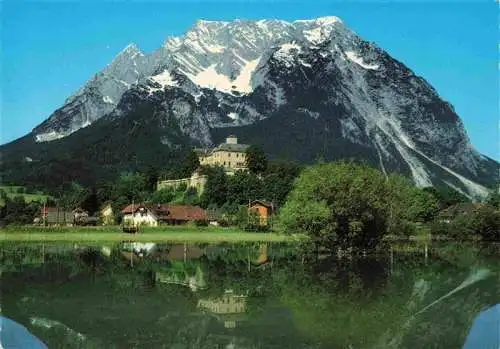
(250, 295)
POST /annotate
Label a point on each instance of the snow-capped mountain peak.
(242, 72)
(131, 49)
(219, 55)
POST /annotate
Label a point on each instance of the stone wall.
(196, 181)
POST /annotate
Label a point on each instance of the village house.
(461, 209)
(154, 215)
(229, 308)
(264, 210)
(231, 155)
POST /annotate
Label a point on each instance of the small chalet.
(82, 217)
(461, 209)
(264, 209)
(154, 215)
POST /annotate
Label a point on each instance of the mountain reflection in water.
(485, 331)
(248, 295)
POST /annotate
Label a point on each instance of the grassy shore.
(161, 234)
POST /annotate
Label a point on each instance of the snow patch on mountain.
(287, 49)
(165, 79)
(354, 57)
(320, 29)
(212, 79)
(49, 136)
(325, 20)
(287, 52)
(243, 82)
(107, 99)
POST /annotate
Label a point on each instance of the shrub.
(402, 228)
(223, 222)
(201, 223)
(256, 227)
(343, 205)
(486, 223)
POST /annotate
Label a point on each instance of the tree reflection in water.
(248, 295)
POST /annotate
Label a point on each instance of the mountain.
(304, 90)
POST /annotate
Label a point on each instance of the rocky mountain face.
(304, 90)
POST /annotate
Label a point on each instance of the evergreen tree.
(190, 164)
(256, 159)
(216, 187)
(151, 179)
(244, 187)
(91, 202)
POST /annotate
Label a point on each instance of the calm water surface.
(248, 296)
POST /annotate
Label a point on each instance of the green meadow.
(13, 191)
(160, 234)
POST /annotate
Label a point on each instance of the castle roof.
(231, 147)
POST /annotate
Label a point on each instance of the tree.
(72, 195)
(493, 200)
(416, 205)
(190, 196)
(215, 191)
(278, 181)
(243, 187)
(190, 164)
(16, 210)
(163, 196)
(91, 202)
(105, 191)
(256, 159)
(151, 179)
(341, 205)
(486, 223)
(131, 186)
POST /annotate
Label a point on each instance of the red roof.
(132, 208)
(261, 203)
(184, 212)
(170, 211)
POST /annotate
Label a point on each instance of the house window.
(224, 163)
(237, 155)
(229, 154)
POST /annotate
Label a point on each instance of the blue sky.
(51, 48)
